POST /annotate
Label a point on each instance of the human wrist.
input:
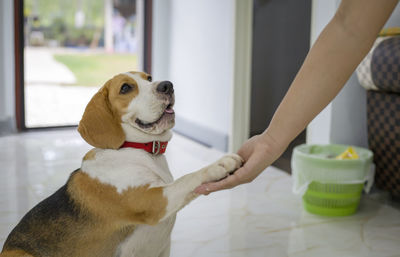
(274, 145)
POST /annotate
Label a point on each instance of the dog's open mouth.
(168, 111)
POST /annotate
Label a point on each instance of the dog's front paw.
(223, 167)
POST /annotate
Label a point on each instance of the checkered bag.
(363, 70)
(385, 65)
(384, 138)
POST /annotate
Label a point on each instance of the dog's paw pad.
(231, 162)
(224, 166)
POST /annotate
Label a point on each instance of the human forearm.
(329, 64)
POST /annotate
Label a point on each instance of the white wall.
(193, 46)
(394, 20)
(349, 115)
(7, 91)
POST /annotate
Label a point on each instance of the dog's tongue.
(169, 110)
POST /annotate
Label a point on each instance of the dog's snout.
(165, 87)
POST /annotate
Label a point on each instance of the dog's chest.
(128, 168)
(148, 241)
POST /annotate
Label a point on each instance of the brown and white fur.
(121, 202)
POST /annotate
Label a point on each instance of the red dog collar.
(155, 147)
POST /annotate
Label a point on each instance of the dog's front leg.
(158, 204)
(181, 192)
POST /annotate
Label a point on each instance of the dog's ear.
(99, 126)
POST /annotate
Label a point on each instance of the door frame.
(19, 64)
(241, 91)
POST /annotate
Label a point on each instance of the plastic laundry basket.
(329, 186)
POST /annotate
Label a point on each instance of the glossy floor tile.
(262, 218)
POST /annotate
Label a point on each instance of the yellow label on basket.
(349, 154)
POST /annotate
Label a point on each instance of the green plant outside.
(50, 10)
(56, 19)
(96, 69)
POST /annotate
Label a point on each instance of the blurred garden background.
(71, 48)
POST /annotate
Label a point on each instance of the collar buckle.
(156, 147)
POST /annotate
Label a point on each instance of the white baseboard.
(7, 126)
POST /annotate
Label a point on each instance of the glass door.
(71, 48)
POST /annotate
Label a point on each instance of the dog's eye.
(149, 78)
(125, 88)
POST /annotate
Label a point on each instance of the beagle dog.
(123, 200)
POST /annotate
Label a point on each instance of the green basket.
(332, 199)
(330, 187)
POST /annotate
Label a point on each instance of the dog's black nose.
(165, 87)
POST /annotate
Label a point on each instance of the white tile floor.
(263, 218)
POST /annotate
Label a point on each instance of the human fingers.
(245, 174)
(225, 183)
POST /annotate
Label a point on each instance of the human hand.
(258, 153)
